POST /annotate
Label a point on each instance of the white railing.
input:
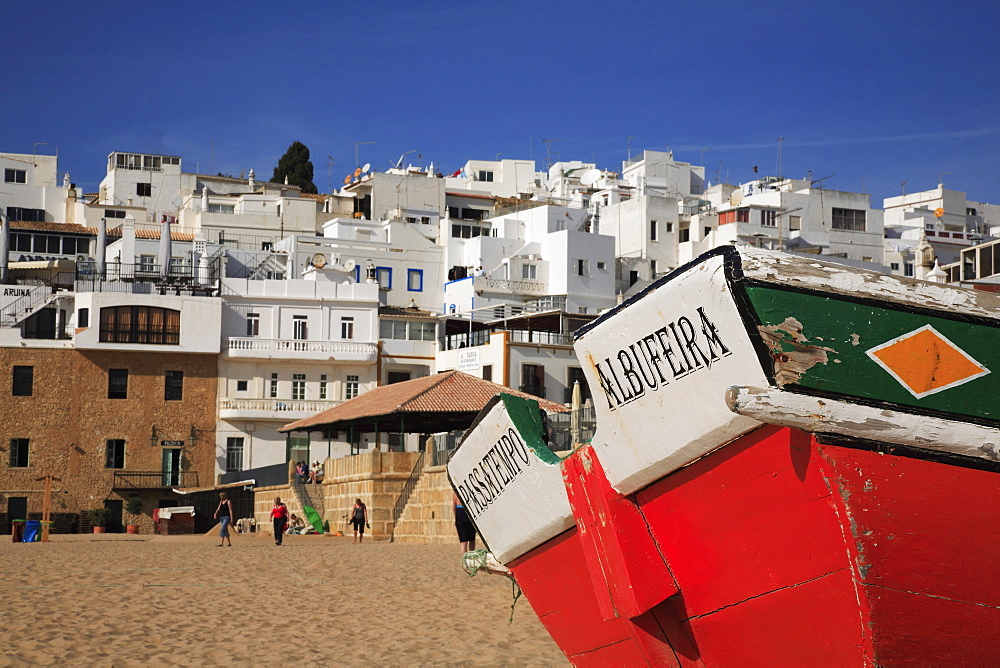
(277, 405)
(301, 346)
(505, 285)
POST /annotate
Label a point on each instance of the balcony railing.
(508, 286)
(549, 338)
(251, 343)
(154, 479)
(277, 405)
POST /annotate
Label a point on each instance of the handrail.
(404, 495)
(8, 316)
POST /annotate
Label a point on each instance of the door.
(17, 507)
(171, 467)
(114, 508)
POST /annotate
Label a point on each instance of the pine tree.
(295, 164)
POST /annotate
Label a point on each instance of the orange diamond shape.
(924, 361)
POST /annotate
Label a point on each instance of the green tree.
(295, 164)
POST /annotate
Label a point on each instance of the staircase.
(15, 312)
(310, 495)
(428, 517)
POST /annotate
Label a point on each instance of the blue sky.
(875, 93)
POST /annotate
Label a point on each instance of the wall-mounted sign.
(172, 444)
(468, 360)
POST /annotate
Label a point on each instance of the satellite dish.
(319, 260)
(349, 265)
(357, 172)
(367, 168)
(590, 177)
(347, 179)
(939, 212)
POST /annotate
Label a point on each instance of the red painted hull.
(777, 549)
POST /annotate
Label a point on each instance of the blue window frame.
(357, 273)
(384, 277)
(415, 280)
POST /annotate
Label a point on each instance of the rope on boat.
(478, 560)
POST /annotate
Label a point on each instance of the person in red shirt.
(279, 513)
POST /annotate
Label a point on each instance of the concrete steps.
(428, 517)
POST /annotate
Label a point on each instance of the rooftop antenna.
(813, 182)
(548, 151)
(780, 140)
(41, 143)
(702, 151)
(329, 167)
(400, 161)
(628, 144)
(941, 178)
(357, 162)
(903, 186)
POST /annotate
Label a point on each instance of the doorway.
(17, 507)
(114, 508)
(171, 467)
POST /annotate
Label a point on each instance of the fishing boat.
(795, 463)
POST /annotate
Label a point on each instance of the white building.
(31, 189)
(950, 221)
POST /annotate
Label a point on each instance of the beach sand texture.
(119, 600)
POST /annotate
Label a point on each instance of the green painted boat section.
(527, 419)
(850, 329)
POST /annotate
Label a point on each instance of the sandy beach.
(317, 600)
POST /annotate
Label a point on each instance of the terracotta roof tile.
(444, 394)
(471, 194)
(65, 228)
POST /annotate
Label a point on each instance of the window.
(300, 327)
(669, 227)
(140, 324)
(392, 329)
(684, 234)
(394, 377)
(849, 219)
(23, 213)
(384, 277)
(173, 386)
(147, 264)
(866, 258)
(485, 175)
(529, 271)
(468, 231)
(15, 176)
(652, 269)
(114, 213)
(908, 269)
(83, 318)
(768, 218)
(117, 383)
(222, 208)
(253, 324)
(421, 331)
(795, 222)
(274, 386)
(415, 280)
(144, 189)
(24, 377)
(298, 386)
(600, 266)
(234, 453)
(652, 230)
(708, 230)
(114, 453)
(488, 372)
(351, 387)
(19, 453)
(322, 386)
(241, 385)
(347, 327)
(894, 266)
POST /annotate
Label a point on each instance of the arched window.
(140, 324)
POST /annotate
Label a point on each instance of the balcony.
(250, 347)
(505, 286)
(283, 410)
(154, 479)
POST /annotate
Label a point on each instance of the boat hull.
(785, 548)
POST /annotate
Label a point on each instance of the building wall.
(69, 418)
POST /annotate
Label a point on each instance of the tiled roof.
(444, 396)
(64, 228)
(471, 194)
(319, 197)
(404, 312)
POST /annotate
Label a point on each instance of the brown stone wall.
(69, 418)
(429, 516)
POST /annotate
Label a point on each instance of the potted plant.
(99, 518)
(133, 507)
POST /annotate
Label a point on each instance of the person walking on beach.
(224, 513)
(280, 516)
(359, 518)
(466, 532)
